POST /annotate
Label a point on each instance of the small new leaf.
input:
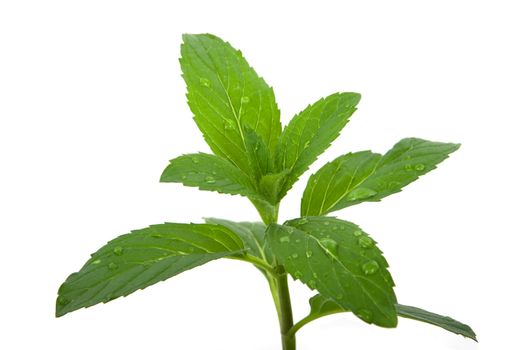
(144, 257)
(310, 132)
(365, 176)
(339, 260)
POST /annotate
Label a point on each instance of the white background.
(92, 107)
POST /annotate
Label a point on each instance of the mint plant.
(254, 157)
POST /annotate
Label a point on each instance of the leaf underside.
(365, 176)
(322, 306)
(144, 257)
(339, 260)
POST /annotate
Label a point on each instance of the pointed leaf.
(365, 176)
(210, 173)
(444, 322)
(311, 131)
(225, 93)
(339, 260)
(144, 257)
(322, 306)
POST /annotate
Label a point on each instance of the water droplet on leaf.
(361, 193)
(302, 221)
(340, 296)
(245, 99)
(297, 274)
(408, 167)
(284, 239)
(312, 284)
(204, 82)
(95, 262)
(370, 267)
(419, 167)
(112, 266)
(357, 233)
(294, 255)
(329, 244)
(118, 250)
(195, 160)
(365, 242)
(309, 253)
(210, 180)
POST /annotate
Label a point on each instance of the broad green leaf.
(251, 233)
(444, 322)
(365, 176)
(225, 93)
(259, 155)
(322, 306)
(339, 260)
(139, 259)
(311, 131)
(208, 172)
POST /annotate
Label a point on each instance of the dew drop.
(302, 221)
(419, 167)
(340, 296)
(370, 267)
(63, 301)
(297, 274)
(315, 275)
(112, 266)
(245, 99)
(357, 233)
(284, 239)
(118, 250)
(195, 160)
(365, 315)
(289, 229)
(365, 242)
(204, 82)
(361, 193)
(155, 235)
(312, 284)
(408, 167)
(309, 253)
(326, 223)
(329, 244)
(229, 124)
(95, 262)
(210, 180)
(294, 255)
(183, 177)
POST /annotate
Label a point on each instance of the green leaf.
(322, 306)
(444, 322)
(209, 172)
(225, 93)
(339, 260)
(311, 131)
(365, 176)
(251, 233)
(144, 257)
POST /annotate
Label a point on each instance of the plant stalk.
(285, 314)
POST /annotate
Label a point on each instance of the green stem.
(285, 314)
(257, 262)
